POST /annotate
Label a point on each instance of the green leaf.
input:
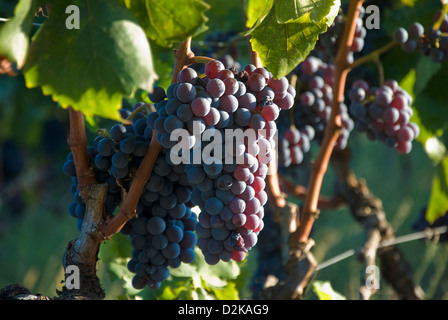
(118, 270)
(222, 270)
(325, 291)
(118, 247)
(14, 34)
(225, 15)
(431, 101)
(287, 11)
(256, 11)
(93, 67)
(281, 47)
(226, 291)
(424, 71)
(167, 21)
(438, 202)
(430, 111)
(426, 111)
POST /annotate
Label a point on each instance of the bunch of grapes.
(162, 234)
(328, 44)
(227, 174)
(432, 43)
(383, 114)
(315, 97)
(293, 144)
(269, 259)
(114, 157)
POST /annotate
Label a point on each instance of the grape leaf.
(424, 71)
(438, 202)
(167, 21)
(281, 47)
(118, 247)
(287, 11)
(325, 291)
(225, 15)
(427, 113)
(93, 67)
(256, 11)
(431, 101)
(14, 34)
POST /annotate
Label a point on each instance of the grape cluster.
(432, 43)
(114, 157)
(313, 108)
(228, 177)
(383, 114)
(293, 144)
(327, 46)
(162, 235)
(269, 259)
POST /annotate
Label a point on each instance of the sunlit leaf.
(93, 67)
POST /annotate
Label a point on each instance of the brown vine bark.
(83, 252)
(333, 128)
(368, 210)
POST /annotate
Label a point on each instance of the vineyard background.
(35, 227)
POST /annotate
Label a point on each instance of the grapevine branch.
(333, 127)
(78, 145)
(83, 252)
(300, 192)
(373, 55)
(368, 255)
(128, 206)
(367, 209)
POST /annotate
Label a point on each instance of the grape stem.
(332, 130)
(373, 55)
(183, 57)
(300, 192)
(293, 82)
(145, 106)
(77, 141)
(200, 59)
(380, 70)
(127, 209)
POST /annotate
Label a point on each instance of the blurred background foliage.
(34, 194)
